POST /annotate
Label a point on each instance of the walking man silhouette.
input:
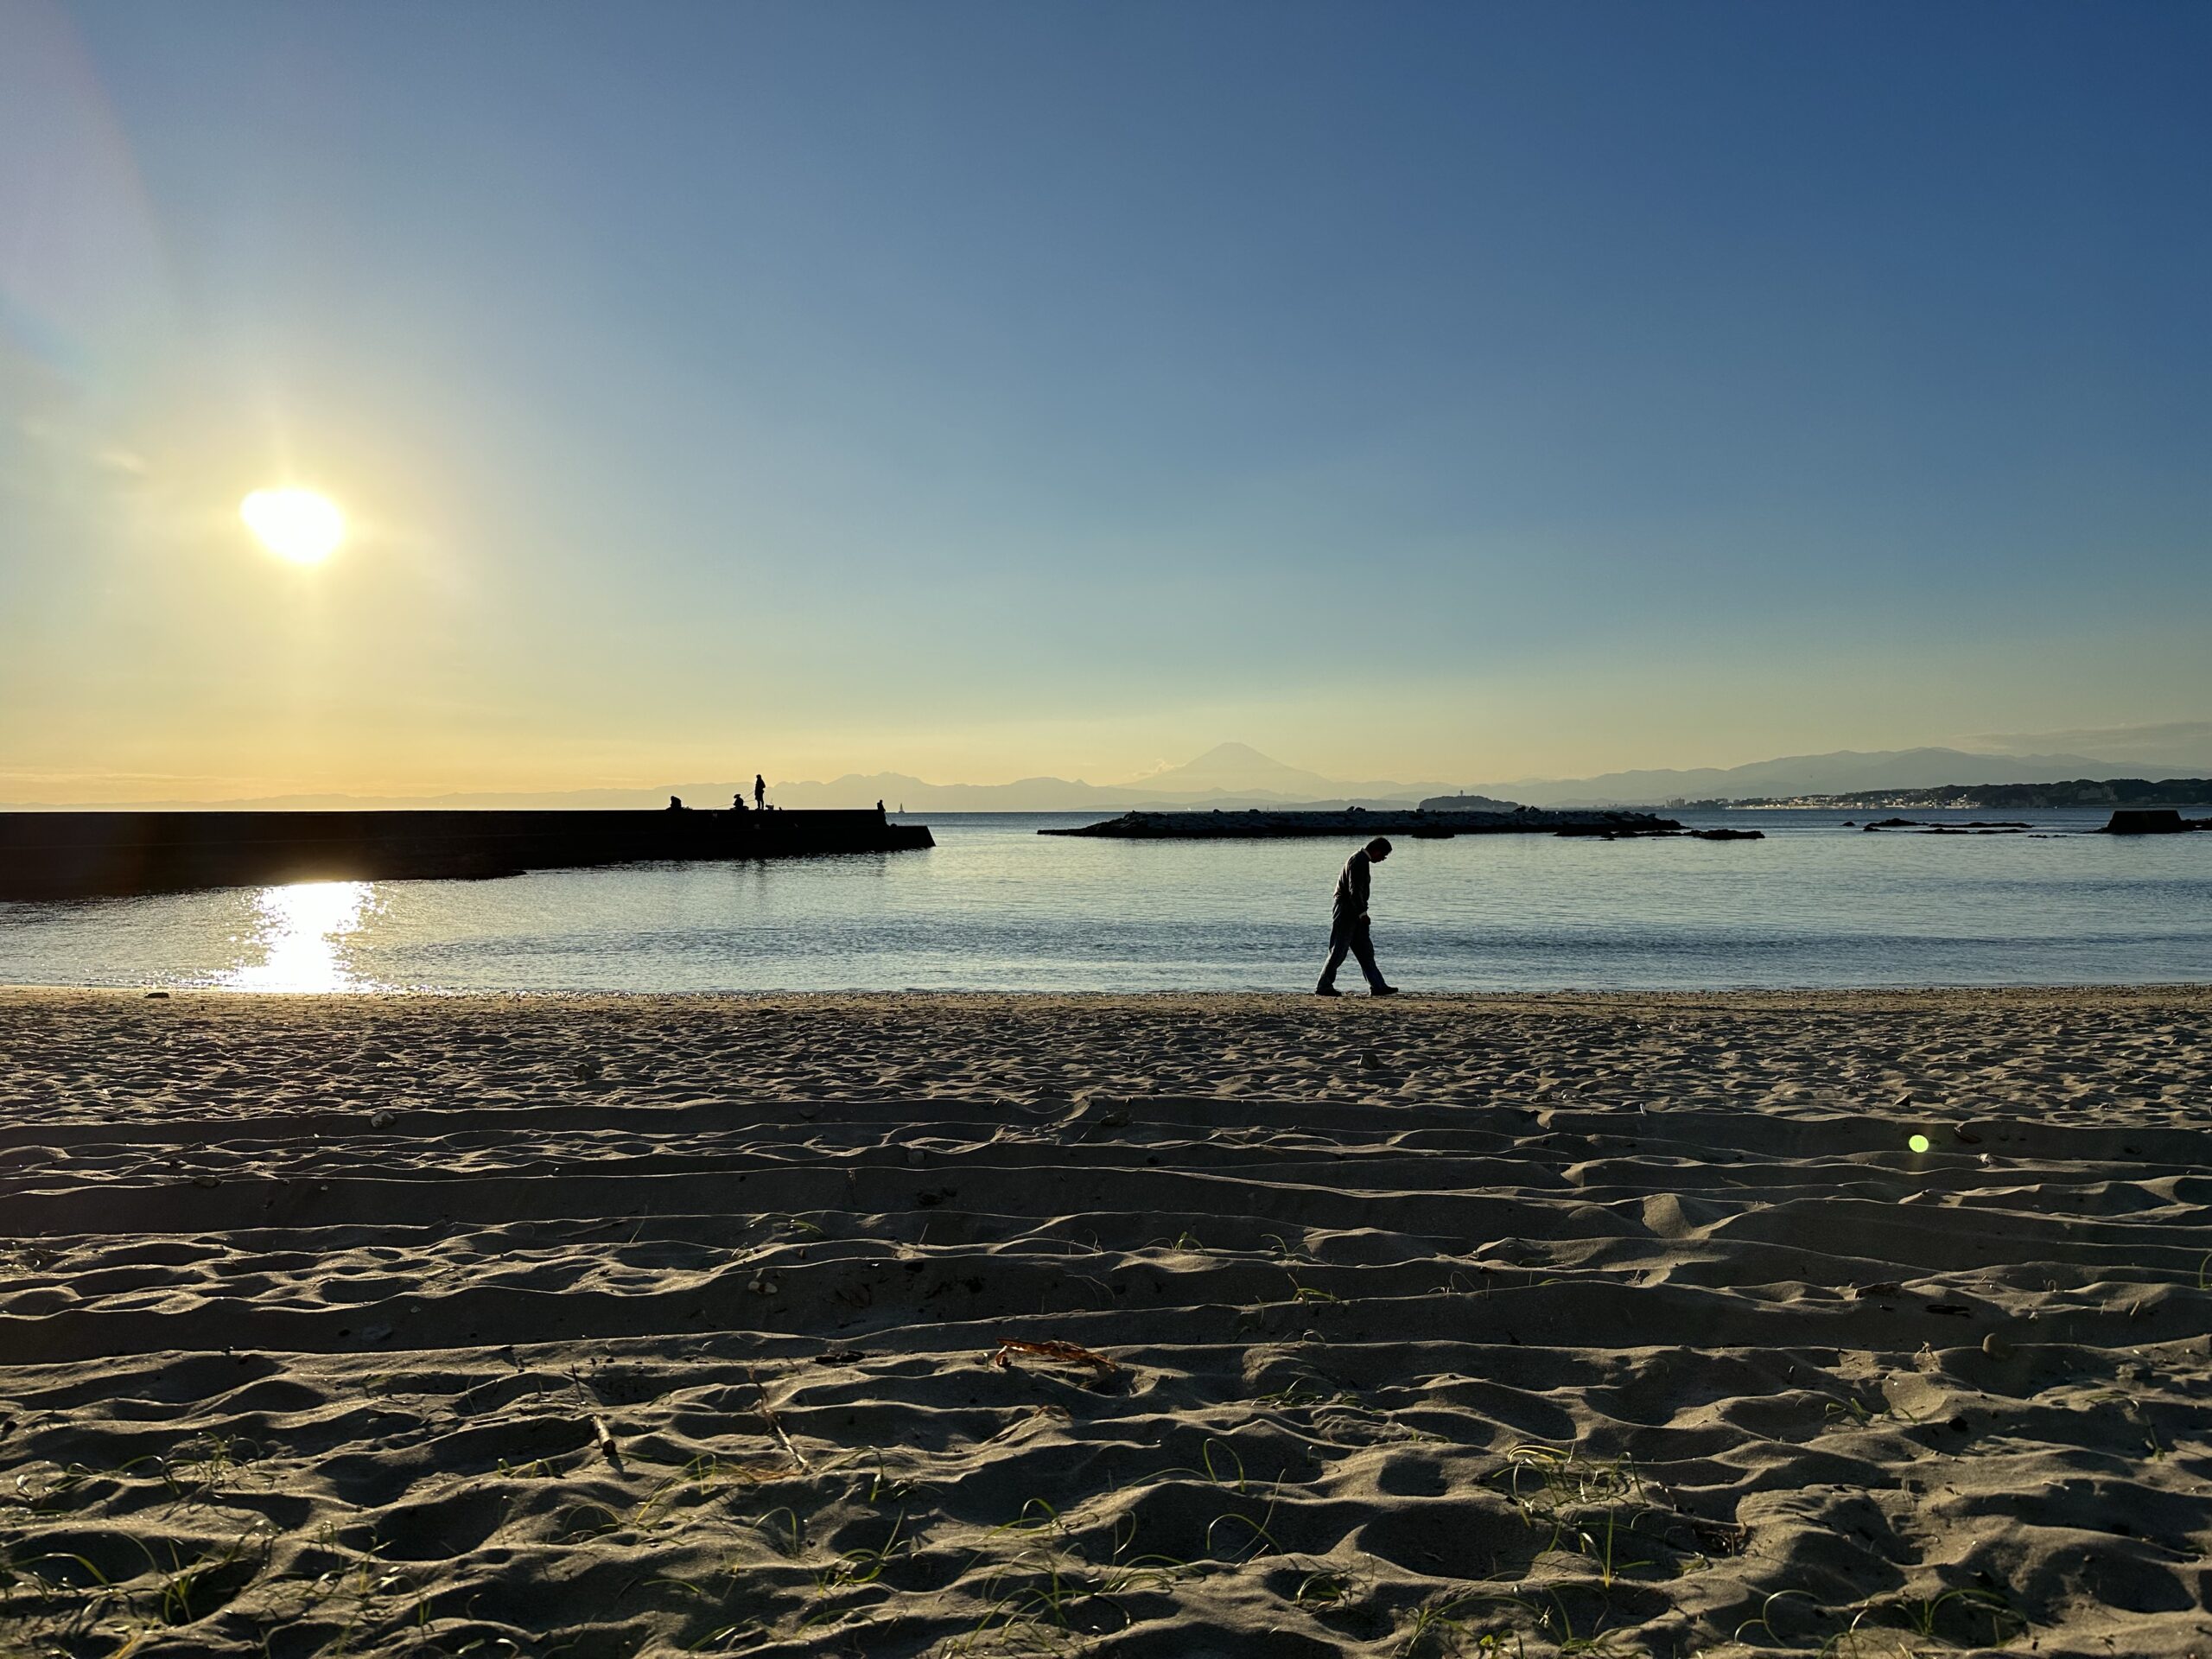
(1348, 927)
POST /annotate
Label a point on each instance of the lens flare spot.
(295, 525)
(1918, 1143)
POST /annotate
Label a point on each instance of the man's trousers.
(1351, 933)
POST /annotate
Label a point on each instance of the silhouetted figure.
(1348, 926)
(674, 805)
(737, 803)
(878, 809)
(760, 794)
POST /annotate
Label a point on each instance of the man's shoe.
(1327, 990)
(1386, 990)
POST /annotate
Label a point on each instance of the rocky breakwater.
(1418, 825)
(2152, 821)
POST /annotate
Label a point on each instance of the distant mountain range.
(1235, 775)
(1227, 775)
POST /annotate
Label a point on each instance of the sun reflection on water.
(300, 933)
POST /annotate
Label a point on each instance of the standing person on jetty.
(760, 794)
(1348, 929)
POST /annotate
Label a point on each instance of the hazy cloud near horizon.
(1236, 775)
(982, 393)
(2187, 742)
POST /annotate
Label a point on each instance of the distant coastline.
(1234, 777)
(2079, 792)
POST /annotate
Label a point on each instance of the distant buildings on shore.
(2111, 791)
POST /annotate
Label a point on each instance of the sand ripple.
(600, 1327)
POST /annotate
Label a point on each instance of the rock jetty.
(1258, 825)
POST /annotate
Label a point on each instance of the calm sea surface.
(997, 907)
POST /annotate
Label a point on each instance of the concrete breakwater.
(83, 855)
(1258, 825)
(2152, 821)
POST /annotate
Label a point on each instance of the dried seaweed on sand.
(768, 1413)
(1067, 1352)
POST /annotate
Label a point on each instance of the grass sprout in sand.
(1572, 1325)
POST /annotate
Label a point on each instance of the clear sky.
(1459, 391)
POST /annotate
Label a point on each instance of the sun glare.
(304, 935)
(295, 525)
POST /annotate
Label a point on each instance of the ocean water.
(996, 906)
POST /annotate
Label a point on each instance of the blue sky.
(1453, 392)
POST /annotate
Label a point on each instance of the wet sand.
(601, 1326)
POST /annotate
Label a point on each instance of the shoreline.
(1411, 998)
(635, 1324)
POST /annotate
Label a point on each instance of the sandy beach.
(1609, 1324)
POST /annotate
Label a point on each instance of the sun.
(295, 525)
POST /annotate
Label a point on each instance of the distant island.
(2080, 791)
(1469, 803)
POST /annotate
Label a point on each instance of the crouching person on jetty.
(1348, 925)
